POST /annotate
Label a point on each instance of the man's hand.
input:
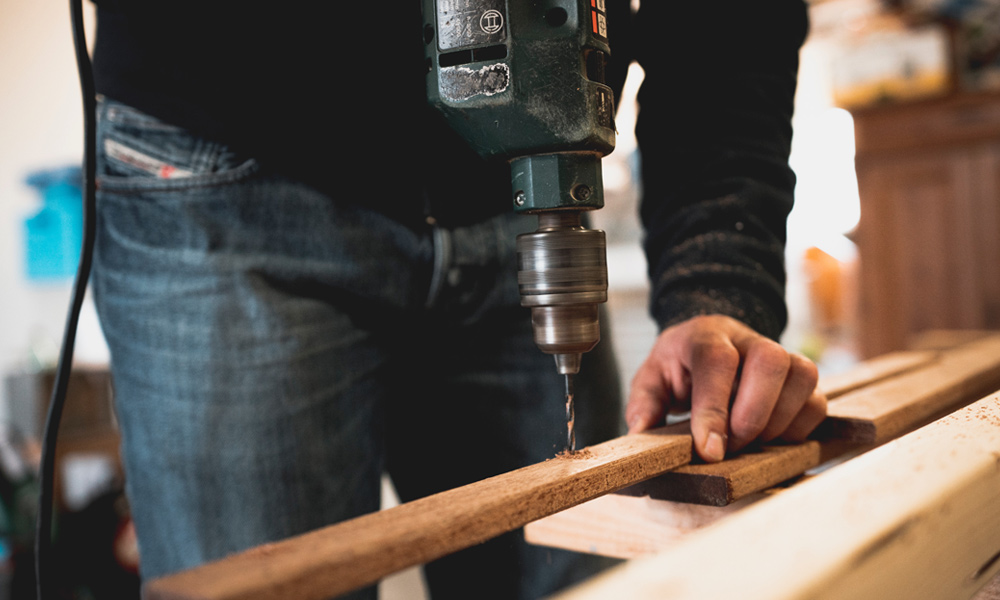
(705, 362)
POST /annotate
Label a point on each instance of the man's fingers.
(700, 362)
(648, 397)
(812, 414)
(798, 389)
(762, 384)
(714, 363)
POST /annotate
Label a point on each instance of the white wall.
(41, 126)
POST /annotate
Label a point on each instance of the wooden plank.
(873, 370)
(644, 522)
(880, 412)
(626, 526)
(916, 518)
(359, 552)
(651, 515)
(718, 484)
(945, 339)
(759, 468)
(891, 395)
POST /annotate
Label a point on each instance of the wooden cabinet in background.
(929, 236)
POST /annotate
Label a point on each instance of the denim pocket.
(137, 152)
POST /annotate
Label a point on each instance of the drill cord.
(46, 580)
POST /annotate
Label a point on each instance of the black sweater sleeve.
(714, 133)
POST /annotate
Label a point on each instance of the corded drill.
(523, 81)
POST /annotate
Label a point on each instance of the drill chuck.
(563, 276)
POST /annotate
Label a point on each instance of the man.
(305, 277)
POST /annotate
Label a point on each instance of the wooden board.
(944, 339)
(747, 474)
(873, 370)
(722, 483)
(759, 468)
(718, 484)
(885, 410)
(626, 526)
(650, 516)
(359, 552)
(881, 399)
(916, 518)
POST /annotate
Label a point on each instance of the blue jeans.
(275, 349)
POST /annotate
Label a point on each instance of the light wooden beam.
(883, 411)
(916, 518)
(627, 526)
(359, 552)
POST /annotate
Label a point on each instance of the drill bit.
(570, 415)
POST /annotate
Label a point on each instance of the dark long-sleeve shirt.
(332, 93)
(714, 132)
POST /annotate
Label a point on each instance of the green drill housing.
(523, 81)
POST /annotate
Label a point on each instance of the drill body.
(523, 81)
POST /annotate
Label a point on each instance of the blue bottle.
(54, 234)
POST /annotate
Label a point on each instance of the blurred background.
(894, 234)
(897, 154)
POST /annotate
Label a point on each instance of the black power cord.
(45, 579)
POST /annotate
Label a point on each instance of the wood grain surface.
(359, 552)
(718, 484)
(880, 412)
(878, 400)
(916, 518)
(873, 370)
(663, 517)
(627, 526)
(759, 468)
